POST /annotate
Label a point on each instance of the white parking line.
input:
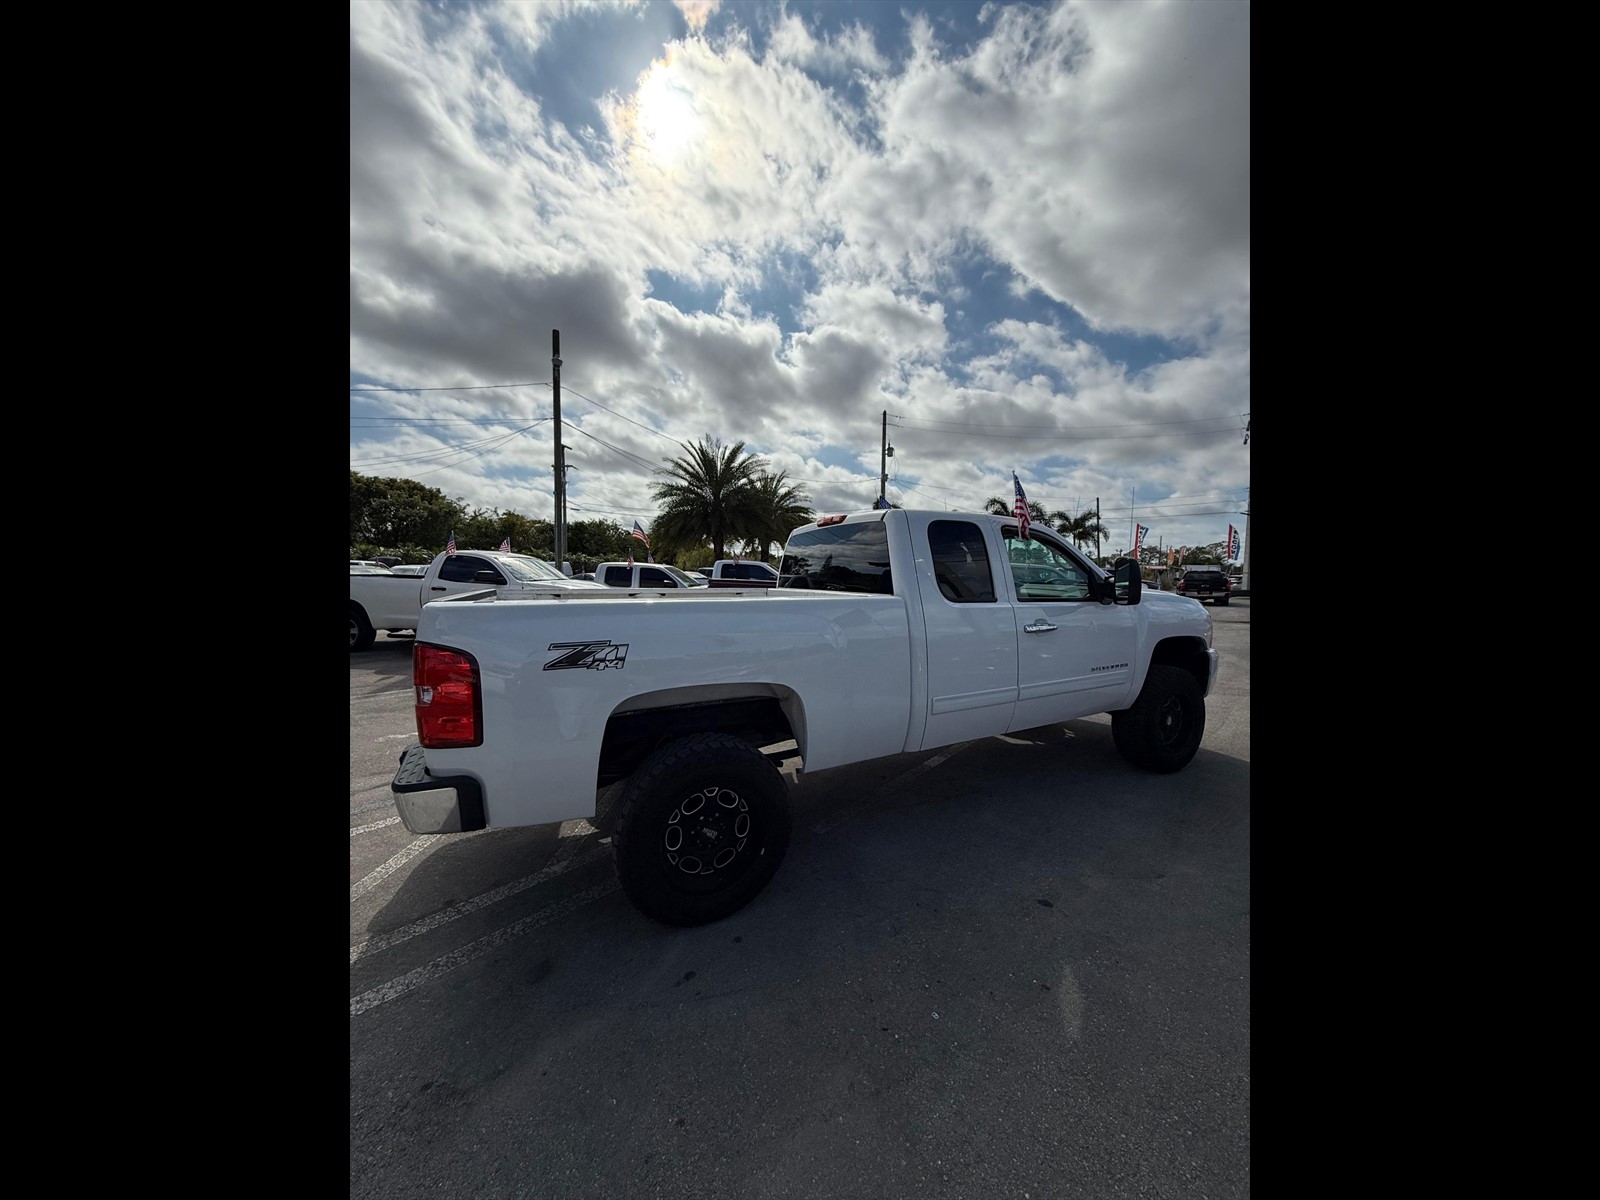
(412, 980)
(375, 825)
(562, 863)
(365, 884)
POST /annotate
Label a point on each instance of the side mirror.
(1127, 581)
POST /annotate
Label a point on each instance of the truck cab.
(645, 575)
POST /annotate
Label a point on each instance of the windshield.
(684, 578)
(525, 568)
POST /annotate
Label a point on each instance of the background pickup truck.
(742, 573)
(644, 575)
(393, 602)
(1205, 583)
(895, 631)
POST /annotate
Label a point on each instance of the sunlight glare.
(667, 119)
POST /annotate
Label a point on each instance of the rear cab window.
(838, 558)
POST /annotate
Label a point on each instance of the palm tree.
(1083, 528)
(779, 508)
(708, 495)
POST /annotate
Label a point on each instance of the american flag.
(1019, 510)
(505, 546)
(639, 533)
(630, 560)
(450, 546)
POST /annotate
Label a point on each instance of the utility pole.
(561, 461)
(883, 465)
(1097, 529)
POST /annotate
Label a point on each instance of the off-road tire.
(666, 858)
(362, 634)
(1162, 731)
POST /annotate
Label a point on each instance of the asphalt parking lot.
(1013, 967)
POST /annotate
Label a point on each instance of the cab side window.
(460, 568)
(1042, 572)
(656, 578)
(618, 577)
(961, 562)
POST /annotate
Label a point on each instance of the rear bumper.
(435, 804)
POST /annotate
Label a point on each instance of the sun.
(667, 122)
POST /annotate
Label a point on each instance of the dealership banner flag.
(1138, 537)
(1233, 543)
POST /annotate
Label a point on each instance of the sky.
(1020, 230)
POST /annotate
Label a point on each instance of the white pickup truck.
(384, 600)
(645, 575)
(895, 631)
(742, 573)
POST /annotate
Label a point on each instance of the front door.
(1075, 656)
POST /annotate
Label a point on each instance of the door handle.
(436, 589)
(1039, 626)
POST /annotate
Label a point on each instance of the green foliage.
(400, 512)
(708, 494)
(779, 508)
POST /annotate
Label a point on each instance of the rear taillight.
(448, 697)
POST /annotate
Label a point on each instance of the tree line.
(711, 501)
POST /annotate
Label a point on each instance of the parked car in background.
(585, 576)
(367, 566)
(742, 573)
(1203, 584)
(646, 575)
(410, 569)
(380, 599)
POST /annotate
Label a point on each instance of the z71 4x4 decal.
(594, 656)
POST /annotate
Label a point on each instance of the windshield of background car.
(685, 579)
(524, 568)
(838, 558)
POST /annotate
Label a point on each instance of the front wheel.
(1162, 731)
(702, 825)
(1223, 601)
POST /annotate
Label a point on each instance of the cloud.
(1039, 228)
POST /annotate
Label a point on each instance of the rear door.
(971, 632)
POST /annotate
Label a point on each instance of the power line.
(440, 451)
(477, 387)
(1123, 425)
(1063, 436)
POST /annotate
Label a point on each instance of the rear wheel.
(1162, 731)
(362, 634)
(702, 825)
(1223, 601)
